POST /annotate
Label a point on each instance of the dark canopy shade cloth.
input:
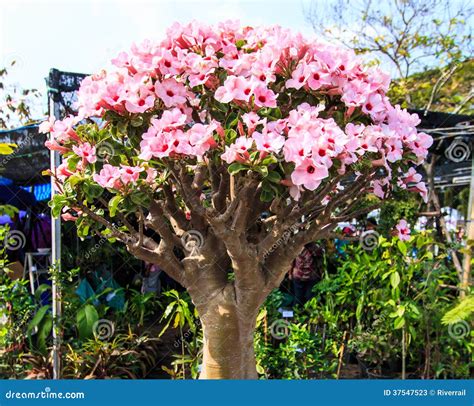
(450, 132)
(16, 196)
(434, 119)
(29, 159)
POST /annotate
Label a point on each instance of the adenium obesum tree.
(219, 152)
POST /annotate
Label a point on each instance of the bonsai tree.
(220, 152)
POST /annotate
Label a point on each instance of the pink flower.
(201, 138)
(264, 97)
(420, 188)
(140, 105)
(378, 186)
(62, 171)
(129, 174)
(151, 175)
(309, 174)
(171, 92)
(299, 76)
(61, 130)
(154, 147)
(172, 80)
(234, 88)
(374, 104)
(238, 150)
(69, 217)
(411, 176)
(108, 176)
(318, 76)
(403, 230)
(54, 146)
(47, 126)
(170, 119)
(421, 144)
(268, 141)
(86, 152)
(251, 120)
(394, 149)
(295, 192)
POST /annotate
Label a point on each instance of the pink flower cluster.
(174, 84)
(113, 177)
(191, 56)
(166, 137)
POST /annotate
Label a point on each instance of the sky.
(84, 35)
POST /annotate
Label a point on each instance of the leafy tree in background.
(15, 103)
(409, 36)
(428, 45)
(220, 152)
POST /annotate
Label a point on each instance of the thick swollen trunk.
(228, 348)
(228, 328)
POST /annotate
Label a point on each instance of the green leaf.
(41, 289)
(254, 156)
(260, 369)
(273, 176)
(40, 314)
(462, 311)
(85, 319)
(266, 196)
(236, 168)
(44, 330)
(360, 307)
(92, 190)
(82, 227)
(269, 159)
(402, 247)
(57, 203)
(232, 121)
(113, 205)
(74, 179)
(263, 170)
(398, 323)
(230, 136)
(395, 279)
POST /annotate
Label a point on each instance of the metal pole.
(55, 245)
(466, 273)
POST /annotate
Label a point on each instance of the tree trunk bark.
(228, 330)
(228, 351)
